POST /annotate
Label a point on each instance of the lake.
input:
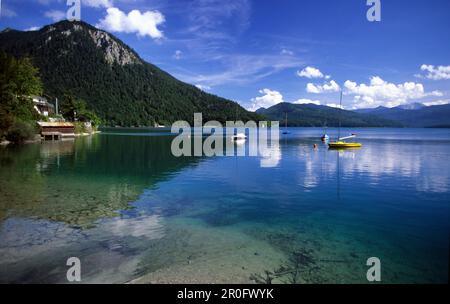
(132, 212)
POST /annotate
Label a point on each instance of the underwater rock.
(300, 260)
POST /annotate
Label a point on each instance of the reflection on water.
(78, 182)
(270, 156)
(130, 210)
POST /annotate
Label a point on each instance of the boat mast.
(340, 114)
(285, 122)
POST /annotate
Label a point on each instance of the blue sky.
(263, 52)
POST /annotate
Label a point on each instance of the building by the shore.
(42, 106)
(56, 130)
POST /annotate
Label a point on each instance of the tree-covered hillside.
(310, 115)
(78, 59)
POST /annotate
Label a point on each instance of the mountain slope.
(123, 89)
(310, 115)
(432, 116)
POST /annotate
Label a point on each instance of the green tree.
(6, 121)
(18, 76)
(20, 131)
(76, 110)
(71, 107)
(18, 81)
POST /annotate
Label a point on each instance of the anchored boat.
(340, 143)
(239, 136)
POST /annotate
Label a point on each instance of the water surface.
(133, 212)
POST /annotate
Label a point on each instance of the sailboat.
(285, 125)
(340, 143)
(325, 138)
(238, 137)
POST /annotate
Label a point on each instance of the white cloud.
(211, 34)
(334, 105)
(270, 98)
(307, 101)
(329, 87)
(55, 15)
(177, 55)
(241, 69)
(212, 21)
(383, 93)
(89, 3)
(203, 87)
(144, 24)
(436, 102)
(435, 73)
(33, 28)
(287, 52)
(310, 72)
(97, 3)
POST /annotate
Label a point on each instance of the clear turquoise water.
(132, 212)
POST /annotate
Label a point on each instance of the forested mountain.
(78, 59)
(310, 115)
(416, 116)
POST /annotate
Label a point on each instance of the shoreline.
(5, 142)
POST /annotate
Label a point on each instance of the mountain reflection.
(79, 182)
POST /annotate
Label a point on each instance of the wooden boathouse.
(56, 130)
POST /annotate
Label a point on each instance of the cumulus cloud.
(269, 98)
(143, 24)
(55, 15)
(310, 72)
(307, 101)
(328, 87)
(383, 93)
(435, 73)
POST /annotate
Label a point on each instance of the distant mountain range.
(414, 115)
(123, 89)
(310, 115)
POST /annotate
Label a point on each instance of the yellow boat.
(340, 143)
(343, 145)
